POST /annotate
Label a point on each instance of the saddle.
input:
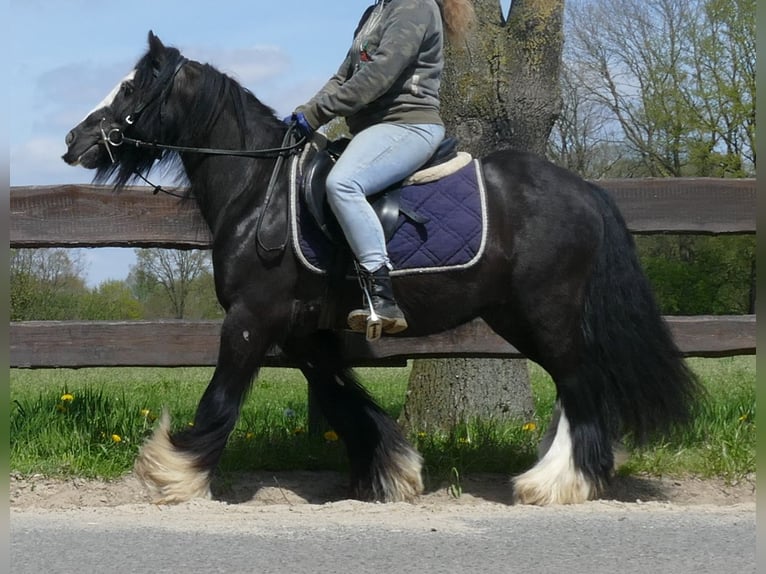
(386, 204)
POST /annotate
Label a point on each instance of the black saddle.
(385, 203)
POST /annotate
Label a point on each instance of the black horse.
(558, 278)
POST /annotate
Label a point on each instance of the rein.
(115, 138)
(266, 153)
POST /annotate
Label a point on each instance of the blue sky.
(67, 54)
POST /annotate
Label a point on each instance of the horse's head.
(87, 141)
(133, 109)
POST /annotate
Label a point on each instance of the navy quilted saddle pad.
(453, 235)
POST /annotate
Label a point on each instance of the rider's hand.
(301, 122)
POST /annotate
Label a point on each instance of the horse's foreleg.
(178, 466)
(384, 466)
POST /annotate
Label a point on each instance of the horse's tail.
(647, 385)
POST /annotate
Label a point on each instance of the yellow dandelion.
(331, 436)
(422, 434)
(529, 427)
(249, 435)
(116, 438)
(148, 415)
(67, 398)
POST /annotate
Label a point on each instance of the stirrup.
(373, 327)
(368, 320)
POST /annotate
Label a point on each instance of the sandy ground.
(286, 491)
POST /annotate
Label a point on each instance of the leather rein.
(115, 138)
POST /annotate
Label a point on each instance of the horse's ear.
(155, 44)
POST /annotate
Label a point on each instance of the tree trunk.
(501, 90)
(443, 393)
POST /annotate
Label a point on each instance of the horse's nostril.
(69, 138)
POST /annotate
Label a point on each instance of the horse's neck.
(229, 189)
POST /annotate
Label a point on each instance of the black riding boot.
(379, 287)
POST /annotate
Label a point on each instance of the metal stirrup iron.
(374, 325)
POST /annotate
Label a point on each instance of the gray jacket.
(392, 72)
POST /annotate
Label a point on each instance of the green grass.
(98, 431)
(721, 440)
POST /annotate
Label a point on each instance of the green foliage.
(111, 300)
(49, 284)
(44, 284)
(696, 275)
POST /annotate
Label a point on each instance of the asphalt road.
(377, 539)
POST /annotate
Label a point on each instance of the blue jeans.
(376, 158)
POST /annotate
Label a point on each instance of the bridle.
(114, 137)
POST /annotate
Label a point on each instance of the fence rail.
(92, 216)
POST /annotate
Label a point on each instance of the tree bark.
(443, 393)
(500, 90)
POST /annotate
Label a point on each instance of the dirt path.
(290, 489)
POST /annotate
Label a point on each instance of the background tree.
(45, 284)
(666, 88)
(673, 80)
(174, 283)
(584, 139)
(110, 301)
(500, 90)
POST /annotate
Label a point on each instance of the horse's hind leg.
(576, 461)
(384, 466)
(575, 456)
(178, 467)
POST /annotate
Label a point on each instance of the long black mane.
(160, 77)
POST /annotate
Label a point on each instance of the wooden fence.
(90, 216)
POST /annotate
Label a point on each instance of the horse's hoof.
(534, 488)
(400, 480)
(169, 475)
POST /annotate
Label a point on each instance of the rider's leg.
(375, 159)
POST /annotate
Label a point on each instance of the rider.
(387, 89)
